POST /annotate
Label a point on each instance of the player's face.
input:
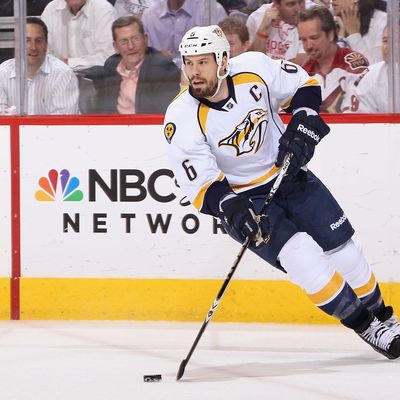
(236, 45)
(36, 45)
(202, 73)
(385, 45)
(289, 10)
(130, 44)
(315, 41)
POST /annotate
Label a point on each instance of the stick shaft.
(243, 249)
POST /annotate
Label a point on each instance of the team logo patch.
(169, 131)
(355, 60)
(218, 32)
(249, 135)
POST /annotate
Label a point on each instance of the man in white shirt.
(273, 30)
(51, 87)
(80, 31)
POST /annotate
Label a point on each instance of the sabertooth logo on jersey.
(249, 135)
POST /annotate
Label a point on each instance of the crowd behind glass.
(121, 56)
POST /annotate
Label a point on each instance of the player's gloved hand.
(302, 134)
(238, 213)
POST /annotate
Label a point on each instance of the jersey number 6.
(289, 67)
(190, 171)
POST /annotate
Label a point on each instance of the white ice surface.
(107, 361)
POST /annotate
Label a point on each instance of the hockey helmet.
(203, 40)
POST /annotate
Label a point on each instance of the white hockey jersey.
(371, 93)
(235, 140)
(346, 68)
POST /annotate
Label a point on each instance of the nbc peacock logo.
(59, 185)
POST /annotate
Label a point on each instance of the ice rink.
(107, 361)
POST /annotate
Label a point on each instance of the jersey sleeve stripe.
(202, 115)
(256, 181)
(247, 77)
(366, 289)
(310, 82)
(329, 291)
(198, 201)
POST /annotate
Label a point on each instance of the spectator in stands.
(237, 34)
(33, 7)
(335, 68)
(137, 79)
(131, 7)
(79, 31)
(371, 93)
(273, 30)
(362, 23)
(51, 87)
(166, 21)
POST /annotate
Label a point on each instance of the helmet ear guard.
(204, 40)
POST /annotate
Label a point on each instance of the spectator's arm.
(261, 35)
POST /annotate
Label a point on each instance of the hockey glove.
(239, 214)
(302, 134)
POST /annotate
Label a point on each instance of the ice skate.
(390, 320)
(382, 339)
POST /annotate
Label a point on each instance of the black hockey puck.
(152, 378)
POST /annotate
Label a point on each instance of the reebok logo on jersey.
(308, 132)
(338, 223)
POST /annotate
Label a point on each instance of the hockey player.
(226, 144)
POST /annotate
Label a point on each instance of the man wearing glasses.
(137, 79)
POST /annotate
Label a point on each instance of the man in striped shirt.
(51, 87)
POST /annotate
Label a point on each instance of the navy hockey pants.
(301, 204)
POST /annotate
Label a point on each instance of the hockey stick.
(245, 245)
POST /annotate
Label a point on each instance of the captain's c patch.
(169, 131)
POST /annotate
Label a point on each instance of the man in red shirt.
(335, 68)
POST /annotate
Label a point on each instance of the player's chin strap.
(220, 78)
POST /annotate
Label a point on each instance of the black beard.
(207, 92)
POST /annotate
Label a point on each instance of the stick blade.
(181, 370)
